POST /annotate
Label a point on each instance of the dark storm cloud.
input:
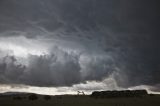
(57, 69)
(126, 30)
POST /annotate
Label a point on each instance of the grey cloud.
(156, 88)
(49, 70)
(58, 68)
(10, 70)
(125, 30)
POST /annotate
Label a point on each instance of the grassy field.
(74, 100)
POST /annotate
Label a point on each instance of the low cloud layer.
(61, 68)
(58, 68)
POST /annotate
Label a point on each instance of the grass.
(74, 100)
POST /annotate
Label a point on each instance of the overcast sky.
(79, 44)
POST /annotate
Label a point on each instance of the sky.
(61, 46)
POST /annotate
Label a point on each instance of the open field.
(74, 100)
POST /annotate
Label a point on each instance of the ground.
(74, 100)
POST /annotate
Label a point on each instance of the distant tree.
(115, 94)
(33, 97)
(47, 97)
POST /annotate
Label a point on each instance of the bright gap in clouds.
(22, 47)
(19, 51)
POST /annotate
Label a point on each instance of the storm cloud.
(58, 68)
(68, 42)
